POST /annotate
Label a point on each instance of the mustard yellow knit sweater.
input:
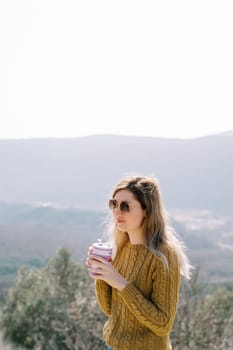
(140, 317)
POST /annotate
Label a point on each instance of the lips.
(120, 221)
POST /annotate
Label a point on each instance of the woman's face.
(129, 221)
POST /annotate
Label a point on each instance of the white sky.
(151, 68)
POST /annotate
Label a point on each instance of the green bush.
(48, 307)
(54, 308)
(204, 319)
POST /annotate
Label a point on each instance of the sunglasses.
(123, 206)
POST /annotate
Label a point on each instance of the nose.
(117, 211)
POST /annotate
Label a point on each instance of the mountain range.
(194, 174)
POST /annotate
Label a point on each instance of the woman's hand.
(99, 268)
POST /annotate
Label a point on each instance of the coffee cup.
(102, 249)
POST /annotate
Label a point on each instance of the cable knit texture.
(140, 317)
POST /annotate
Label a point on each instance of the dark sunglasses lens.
(112, 204)
(124, 207)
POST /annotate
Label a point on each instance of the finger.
(95, 273)
(89, 252)
(94, 262)
(98, 258)
(96, 266)
(89, 261)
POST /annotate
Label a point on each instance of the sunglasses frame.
(123, 207)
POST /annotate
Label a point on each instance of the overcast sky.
(150, 68)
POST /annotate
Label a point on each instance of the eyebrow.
(123, 200)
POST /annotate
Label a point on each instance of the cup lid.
(102, 245)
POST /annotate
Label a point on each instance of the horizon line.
(29, 138)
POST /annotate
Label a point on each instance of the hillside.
(193, 174)
(30, 235)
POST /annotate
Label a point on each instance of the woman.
(139, 289)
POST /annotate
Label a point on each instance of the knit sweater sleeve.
(104, 296)
(158, 312)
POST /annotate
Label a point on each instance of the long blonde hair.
(156, 229)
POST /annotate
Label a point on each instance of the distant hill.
(31, 234)
(28, 231)
(193, 174)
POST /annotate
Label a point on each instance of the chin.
(121, 226)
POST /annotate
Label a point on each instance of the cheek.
(138, 220)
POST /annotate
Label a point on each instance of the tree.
(47, 307)
(204, 318)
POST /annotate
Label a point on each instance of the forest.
(54, 307)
